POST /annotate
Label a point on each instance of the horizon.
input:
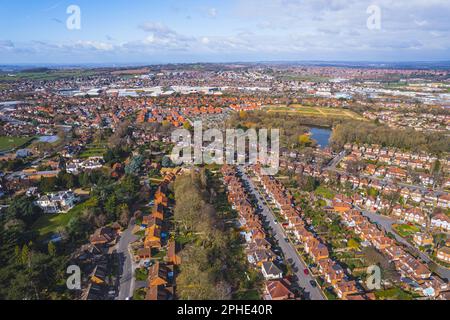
(407, 64)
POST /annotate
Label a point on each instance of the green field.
(313, 111)
(48, 224)
(8, 143)
(46, 75)
(94, 150)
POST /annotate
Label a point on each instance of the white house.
(58, 202)
(440, 221)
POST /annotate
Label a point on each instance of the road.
(315, 293)
(386, 224)
(333, 163)
(126, 280)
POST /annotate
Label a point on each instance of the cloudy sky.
(157, 31)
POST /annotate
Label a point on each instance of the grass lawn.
(140, 234)
(139, 294)
(314, 111)
(406, 230)
(393, 294)
(94, 150)
(7, 143)
(141, 274)
(325, 192)
(249, 295)
(50, 223)
(159, 255)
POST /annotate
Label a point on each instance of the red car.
(306, 272)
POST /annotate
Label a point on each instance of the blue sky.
(151, 31)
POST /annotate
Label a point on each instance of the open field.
(313, 111)
(7, 143)
(94, 150)
(48, 75)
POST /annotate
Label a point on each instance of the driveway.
(290, 253)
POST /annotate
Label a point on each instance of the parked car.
(306, 272)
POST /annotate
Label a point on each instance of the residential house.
(278, 290)
(270, 271)
(443, 254)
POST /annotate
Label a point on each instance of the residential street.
(315, 293)
(126, 281)
(333, 163)
(386, 224)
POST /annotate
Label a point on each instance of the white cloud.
(212, 12)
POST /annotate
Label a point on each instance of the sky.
(179, 31)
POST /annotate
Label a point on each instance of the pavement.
(290, 253)
(126, 279)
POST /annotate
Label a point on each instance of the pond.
(48, 139)
(321, 135)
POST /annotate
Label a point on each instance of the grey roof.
(271, 268)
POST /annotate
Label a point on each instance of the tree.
(353, 244)
(134, 165)
(17, 254)
(66, 180)
(23, 208)
(118, 139)
(110, 207)
(51, 248)
(304, 140)
(243, 114)
(25, 255)
(187, 125)
(307, 183)
(124, 215)
(100, 220)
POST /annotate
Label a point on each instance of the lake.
(321, 135)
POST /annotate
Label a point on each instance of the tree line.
(211, 267)
(404, 139)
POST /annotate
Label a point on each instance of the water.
(321, 135)
(48, 139)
